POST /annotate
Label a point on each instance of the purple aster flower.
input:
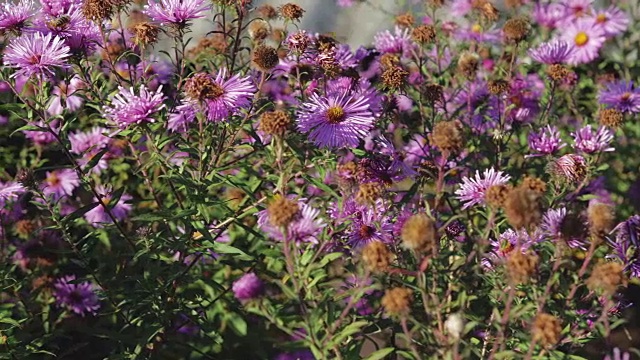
(617, 354)
(478, 34)
(460, 8)
(626, 245)
(89, 144)
(98, 216)
(397, 43)
(588, 142)
(549, 15)
(36, 54)
(622, 96)
(545, 142)
(370, 223)
(58, 7)
(472, 190)
(176, 12)
(586, 38)
(64, 97)
(9, 192)
(336, 120)
(13, 17)
(182, 116)
(248, 287)
(43, 136)
(505, 244)
(296, 355)
(63, 25)
(554, 227)
(59, 183)
(612, 21)
(306, 228)
(576, 9)
(220, 97)
(552, 52)
(79, 297)
(128, 108)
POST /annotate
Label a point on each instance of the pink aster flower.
(305, 228)
(587, 141)
(9, 192)
(336, 120)
(472, 190)
(176, 12)
(13, 17)
(586, 38)
(549, 15)
(128, 108)
(57, 7)
(36, 54)
(59, 183)
(546, 141)
(553, 52)
(576, 9)
(221, 96)
(64, 97)
(98, 215)
(182, 116)
(570, 167)
(397, 43)
(248, 287)
(89, 144)
(612, 21)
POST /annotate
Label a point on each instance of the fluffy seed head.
(486, 9)
(97, 9)
(497, 87)
(265, 57)
(419, 233)
(202, 87)
(282, 211)
(601, 218)
(521, 266)
(424, 34)
(468, 64)
(516, 29)
(291, 11)
(397, 301)
(536, 184)
(274, 122)
(606, 277)
(259, 30)
(447, 136)
(267, 11)
(496, 195)
(405, 20)
(558, 72)
(611, 117)
(522, 207)
(376, 256)
(546, 330)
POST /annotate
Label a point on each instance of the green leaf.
(380, 354)
(9, 321)
(94, 160)
(223, 248)
(238, 324)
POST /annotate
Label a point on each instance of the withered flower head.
(468, 64)
(424, 34)
(27, 178)
(376, 256)
(546, 330)
(558, 72)
(536, 184)
(389, 60)
(210, 45)
(291, 11)
(521, 266)
(419, 233)
(282, 211)
(405, 20)
(523, 207)
(144, 33)
(369, 192)
(611, 117)
(274, 122)
(516, 29)
(259, 30)
(97, 9)
(395, 77)
(447, 136)
(486, 9)
(201, 86)
(265, 58)
(606, 277)
(497, 87)
(569, 168)
(433, 93)
(397, 301)
(496, 195)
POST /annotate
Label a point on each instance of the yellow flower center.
(581, 38)
(476, 28)
(335, 114)
(53, 179)
(601, 18)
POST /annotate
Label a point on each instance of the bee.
(60, 23)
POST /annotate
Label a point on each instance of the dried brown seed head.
(201, 87)
(546, 330)
(265, 58)
(282, 211)
(274, 122)
(376, 256)
(259, 30)
(516, 29)
(405, 20)
(497, 87)
(424, 34)
(397, 301)
(468, 64)
(601, 219)
(145, 33)
(611, 117)
(606, 277)
(521, 266)
(496, 195)
(447, 136)
(394, 78)
(291, 12)
(369, 192)
(433, 93)
(523, 208)
(419, 233)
